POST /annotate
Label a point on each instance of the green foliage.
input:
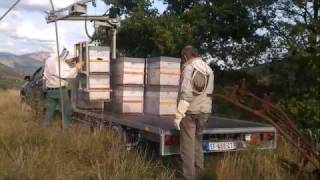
(153, 36)
(228, 31)
(131, 5)
(222, 29)
(296, 84)
(144, 33)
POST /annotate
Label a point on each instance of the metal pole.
(59, 67)
(114, 44)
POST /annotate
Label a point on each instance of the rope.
(59, 67)
(86, 29)
(7, 12)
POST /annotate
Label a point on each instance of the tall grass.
(30, 151)
(253, 164)
(257, 164)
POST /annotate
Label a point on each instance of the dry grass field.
(30, 151)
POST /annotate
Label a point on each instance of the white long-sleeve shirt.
(51, 72)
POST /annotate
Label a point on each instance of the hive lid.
(129, 59)
(162, 88)
(99, 48)
(163, 58)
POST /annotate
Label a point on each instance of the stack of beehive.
(128, 85)
(163, 74)
(94, 77)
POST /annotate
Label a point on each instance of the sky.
(25, 30)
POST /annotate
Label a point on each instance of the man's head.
(189, 52)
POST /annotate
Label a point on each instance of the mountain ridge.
(24, 64)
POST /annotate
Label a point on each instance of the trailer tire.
(120, 131)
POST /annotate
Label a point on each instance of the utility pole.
(59, 67)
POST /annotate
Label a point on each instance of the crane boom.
(78, 12)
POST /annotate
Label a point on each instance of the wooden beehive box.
(95, 82)
(126, 71)
(163, 71)
(91, 99)
(128, 99)
(94, 95)
(160, 100)
(94, 77)
(97, 59)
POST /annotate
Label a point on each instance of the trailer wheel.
(120, 131)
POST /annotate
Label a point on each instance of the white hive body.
(94, 77)
(128, 84)
(161, 93)
(99, 82)
(128, 99)
(99, 59)
(163, 71)
(99, 66)
(127, 70)
(160, 100)
(92, 100)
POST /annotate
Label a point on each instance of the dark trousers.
(53, 100)
(191, 144)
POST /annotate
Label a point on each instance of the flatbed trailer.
(220, 135)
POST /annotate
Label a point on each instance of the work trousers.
(53, 100)
(191, 144)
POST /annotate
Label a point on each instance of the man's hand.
(177, 121)
(181, 113)
(79, 65)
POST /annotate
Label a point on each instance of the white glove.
(79, 65)
(176, 123)
(181, 113)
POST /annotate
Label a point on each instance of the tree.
(145, 33)
(228, 30)
(241, 34)
(225, 30)
(296, 79)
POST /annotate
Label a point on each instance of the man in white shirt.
(51, 76)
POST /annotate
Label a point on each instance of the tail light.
(251, 138)
(268, 136)
(171, 140)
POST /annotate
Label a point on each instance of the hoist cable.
(86, 29)
(7, 12)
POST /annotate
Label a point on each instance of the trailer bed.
(220, 132)
(164, 124)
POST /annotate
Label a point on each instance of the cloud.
(5, 26)
(45, 4)
(28, 29)
(36, 5)
(25, 29)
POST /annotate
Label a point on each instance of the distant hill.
(5, 54)
(8, 73)
(24, 64)
(9, 77)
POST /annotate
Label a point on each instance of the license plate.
(220, 146)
